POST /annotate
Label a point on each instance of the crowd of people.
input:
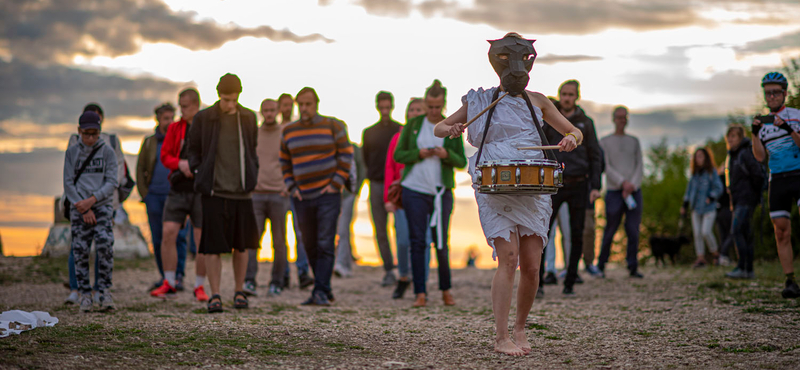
(216, 176)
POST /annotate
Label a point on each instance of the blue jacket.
(702, 186)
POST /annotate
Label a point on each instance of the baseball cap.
(89, 120)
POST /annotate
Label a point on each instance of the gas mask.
(512, 60)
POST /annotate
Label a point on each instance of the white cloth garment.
(16, 321)
(511, 127)
(426, 175)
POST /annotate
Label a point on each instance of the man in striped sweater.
(316, 156)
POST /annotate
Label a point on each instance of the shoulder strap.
(547, 153)
(86, 163)
(486, 127)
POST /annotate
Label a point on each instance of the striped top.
(314, 155)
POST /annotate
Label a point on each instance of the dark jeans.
(724, 220)
(419, 209)
(154, 203)
(575, 195)
(742, 236)
(302, 260)
(615, 209)
(317, 219)
(272, 207)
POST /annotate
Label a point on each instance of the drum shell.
(520, 177)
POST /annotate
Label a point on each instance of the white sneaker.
(724, 261)
(106, 303)
(72, 298)
(86, 302)
(96, 297)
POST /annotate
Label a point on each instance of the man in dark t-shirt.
(222, 156)
(375, 141)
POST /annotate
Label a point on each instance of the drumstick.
(484, 110)
(543, 147)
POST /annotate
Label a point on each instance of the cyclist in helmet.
(777, 134)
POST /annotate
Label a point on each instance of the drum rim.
(518, 189)
(518, 162)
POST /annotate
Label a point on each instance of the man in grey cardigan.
(624, 172)
(89, 188)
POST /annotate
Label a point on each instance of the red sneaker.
(200, 294)
(164, 291)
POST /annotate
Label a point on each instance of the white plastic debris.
(16, 321)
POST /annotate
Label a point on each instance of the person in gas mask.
(515, 226)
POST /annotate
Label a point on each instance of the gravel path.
(674, 318)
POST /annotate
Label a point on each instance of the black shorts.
(784, 191)
(182, 204)
(228, 224)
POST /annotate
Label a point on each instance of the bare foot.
(522, 341)
(508, 347)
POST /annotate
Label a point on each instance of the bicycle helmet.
(775, 78)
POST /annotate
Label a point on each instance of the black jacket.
(745, 174)
(587, 159)
(375, 143)
(202, 147)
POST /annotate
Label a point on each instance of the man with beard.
(223, 159)
(375, 141)
(316, 156)
(582, 169)
(270, 201)
(779, 135)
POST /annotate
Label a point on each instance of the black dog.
(667, 245)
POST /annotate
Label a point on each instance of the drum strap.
(486, 127)
(549, 152)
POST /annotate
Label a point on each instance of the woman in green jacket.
(428, 180)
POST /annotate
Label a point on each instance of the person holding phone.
(777, 134)
(428, 180)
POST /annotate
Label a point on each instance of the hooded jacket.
(587, 158)
(203, 142)
(745, 176)
(99, 178)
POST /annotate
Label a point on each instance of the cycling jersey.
(784, 154)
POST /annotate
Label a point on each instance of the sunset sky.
(680, 65)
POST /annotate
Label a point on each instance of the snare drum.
(519, 176)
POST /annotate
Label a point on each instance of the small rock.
(394, 363)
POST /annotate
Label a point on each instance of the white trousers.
(703, 228)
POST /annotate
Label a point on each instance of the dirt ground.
(673, 318)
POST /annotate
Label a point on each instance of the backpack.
(124, 190)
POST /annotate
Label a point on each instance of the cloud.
(546, 16)
(37, 172)
(55, 30)
(400, 8)
(787, 41)
(555, 58)
(57, 94)
(538, 17)
(680, 126)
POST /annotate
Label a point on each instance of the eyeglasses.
(93, 134)
(771, 93)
